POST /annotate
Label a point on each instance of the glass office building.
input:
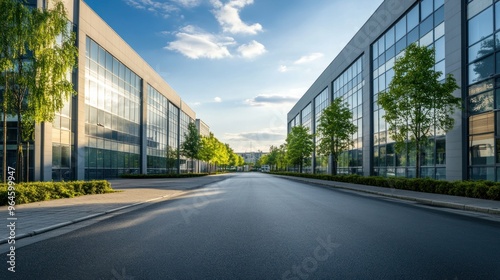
(465, 35)
(124, 119)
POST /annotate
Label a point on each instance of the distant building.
(251, 157)
(203, 128)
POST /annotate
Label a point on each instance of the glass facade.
(112, 115)
(422, 24)
(349, 86)
(320, 103)
(306, 121)
(483, 95)
(62, 145)
(173, 139)
(185, 163)
(157, 132)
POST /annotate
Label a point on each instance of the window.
(481, 26)
(481, 69)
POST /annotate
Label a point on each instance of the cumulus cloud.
(259, 136)
(308, 58)
(252, 49)
(162, 8)
(262, 100)
(195, 43)
(228, 16)
(218, 99)
(283, 68)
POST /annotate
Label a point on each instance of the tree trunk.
(4, 107)
(418, 161)
(334, 166)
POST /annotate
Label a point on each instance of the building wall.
(376, 45)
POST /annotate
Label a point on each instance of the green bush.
(41, 191)
(475, 189)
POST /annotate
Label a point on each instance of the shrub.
(475, 189)
(41, 191)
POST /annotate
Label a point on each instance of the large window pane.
(482, 48)
(481, 103)
(481, 69)
(426, 8)
(401, 28)
(482, 149)
(481, 26)
(480, 124)
(413, 18)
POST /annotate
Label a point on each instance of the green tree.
(172, 160)
(416, 102)
(38, 54)
(208, 149)
(281, 161)
(11, 39)
(190, 148)
(272, 157)
(300, 146)
(335, 131)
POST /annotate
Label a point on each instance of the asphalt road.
(256, 226)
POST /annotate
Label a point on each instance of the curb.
(430, 202)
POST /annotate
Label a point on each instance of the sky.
(241, 65)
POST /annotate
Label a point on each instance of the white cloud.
(252, 49)
(263, 100)
(228, 16)
(283, 68)
(218, 99)
(308, 58)
(195, 43)
(188, 3)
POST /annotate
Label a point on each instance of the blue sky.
(240, 64)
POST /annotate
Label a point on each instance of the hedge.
(475, 189)
(170, 175)
(40, 191)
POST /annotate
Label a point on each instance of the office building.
(467, 44)
(124, 119)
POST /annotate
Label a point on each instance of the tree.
(300, 146)
(208, 149)
(10, 40)
(172, 159)
(335, 131)
(272, 157)
(416, 102)
(281, 161)
(40, 53)
(190, 148)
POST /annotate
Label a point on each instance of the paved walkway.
(39, 217)
(441, 200)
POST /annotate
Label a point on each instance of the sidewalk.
(439, 200)
(39, 217)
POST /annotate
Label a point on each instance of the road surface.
(256, 226)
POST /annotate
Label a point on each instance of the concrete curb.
(431, 202)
